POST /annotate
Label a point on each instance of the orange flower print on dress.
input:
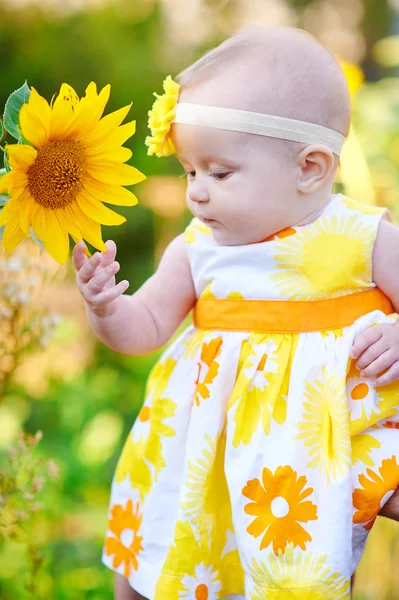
(208, 369)
(391, 425)
(375, 491)
(125, 543)
(279, 507)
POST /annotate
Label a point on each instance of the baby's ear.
(316, 164)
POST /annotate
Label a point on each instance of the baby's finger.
(379, 365)
(372, 353)
(89, 268)
(78, 255)
(109, 295)
(364, 340)
(97, 282)
(389, 376)
(109, 256)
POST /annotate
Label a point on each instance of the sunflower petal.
(120, 154)
(97, 211)
(40, 107)
(5, 182)
(12, 236)
(63, 110)
(89, 111)
(67, 223)
(48, 229)
(118, 137)
(114, 173)
(105, 127)
(26, 212)
(111, 194)
(18, 182)
(21, 156)
(32, 128)
(91, 231)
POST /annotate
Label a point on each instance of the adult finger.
(364, 340)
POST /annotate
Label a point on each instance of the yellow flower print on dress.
(195, 227)
(194, 568)
(261, 388)
(263, 358)
(363, 398)
(298, 576)
(368, 404)
(124, 542)
(279, 508)
(362, 445)
(366, 209)
(309, 264)
(208, 511)
(325, 426)
(193, 342)
(208, 369)
(203, 585)
(141, 459)
(375, 491)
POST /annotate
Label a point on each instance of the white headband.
(259, 124)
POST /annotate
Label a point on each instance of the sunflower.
(279, 508)
(75, 163)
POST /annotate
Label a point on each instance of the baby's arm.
(143, 322)
(378, 347)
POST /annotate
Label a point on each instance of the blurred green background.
(82, 396)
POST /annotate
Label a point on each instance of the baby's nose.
(197, 193)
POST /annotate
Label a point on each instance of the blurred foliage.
(82, 396)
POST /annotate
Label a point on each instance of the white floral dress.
(260, 458)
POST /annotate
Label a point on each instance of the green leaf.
(4, 199)
(5, 161)
(12, 108)
(1, 130)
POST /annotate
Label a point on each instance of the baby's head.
(245, 186)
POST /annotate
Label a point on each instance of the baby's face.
(242, 186)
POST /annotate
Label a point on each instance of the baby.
(267, 443)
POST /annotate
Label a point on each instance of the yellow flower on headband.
(160, 119)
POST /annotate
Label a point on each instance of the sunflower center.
(55, 176)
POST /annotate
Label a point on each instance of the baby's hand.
(378, 349)
(96, 278)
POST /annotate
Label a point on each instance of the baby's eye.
(220, 176)
(190, 174)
